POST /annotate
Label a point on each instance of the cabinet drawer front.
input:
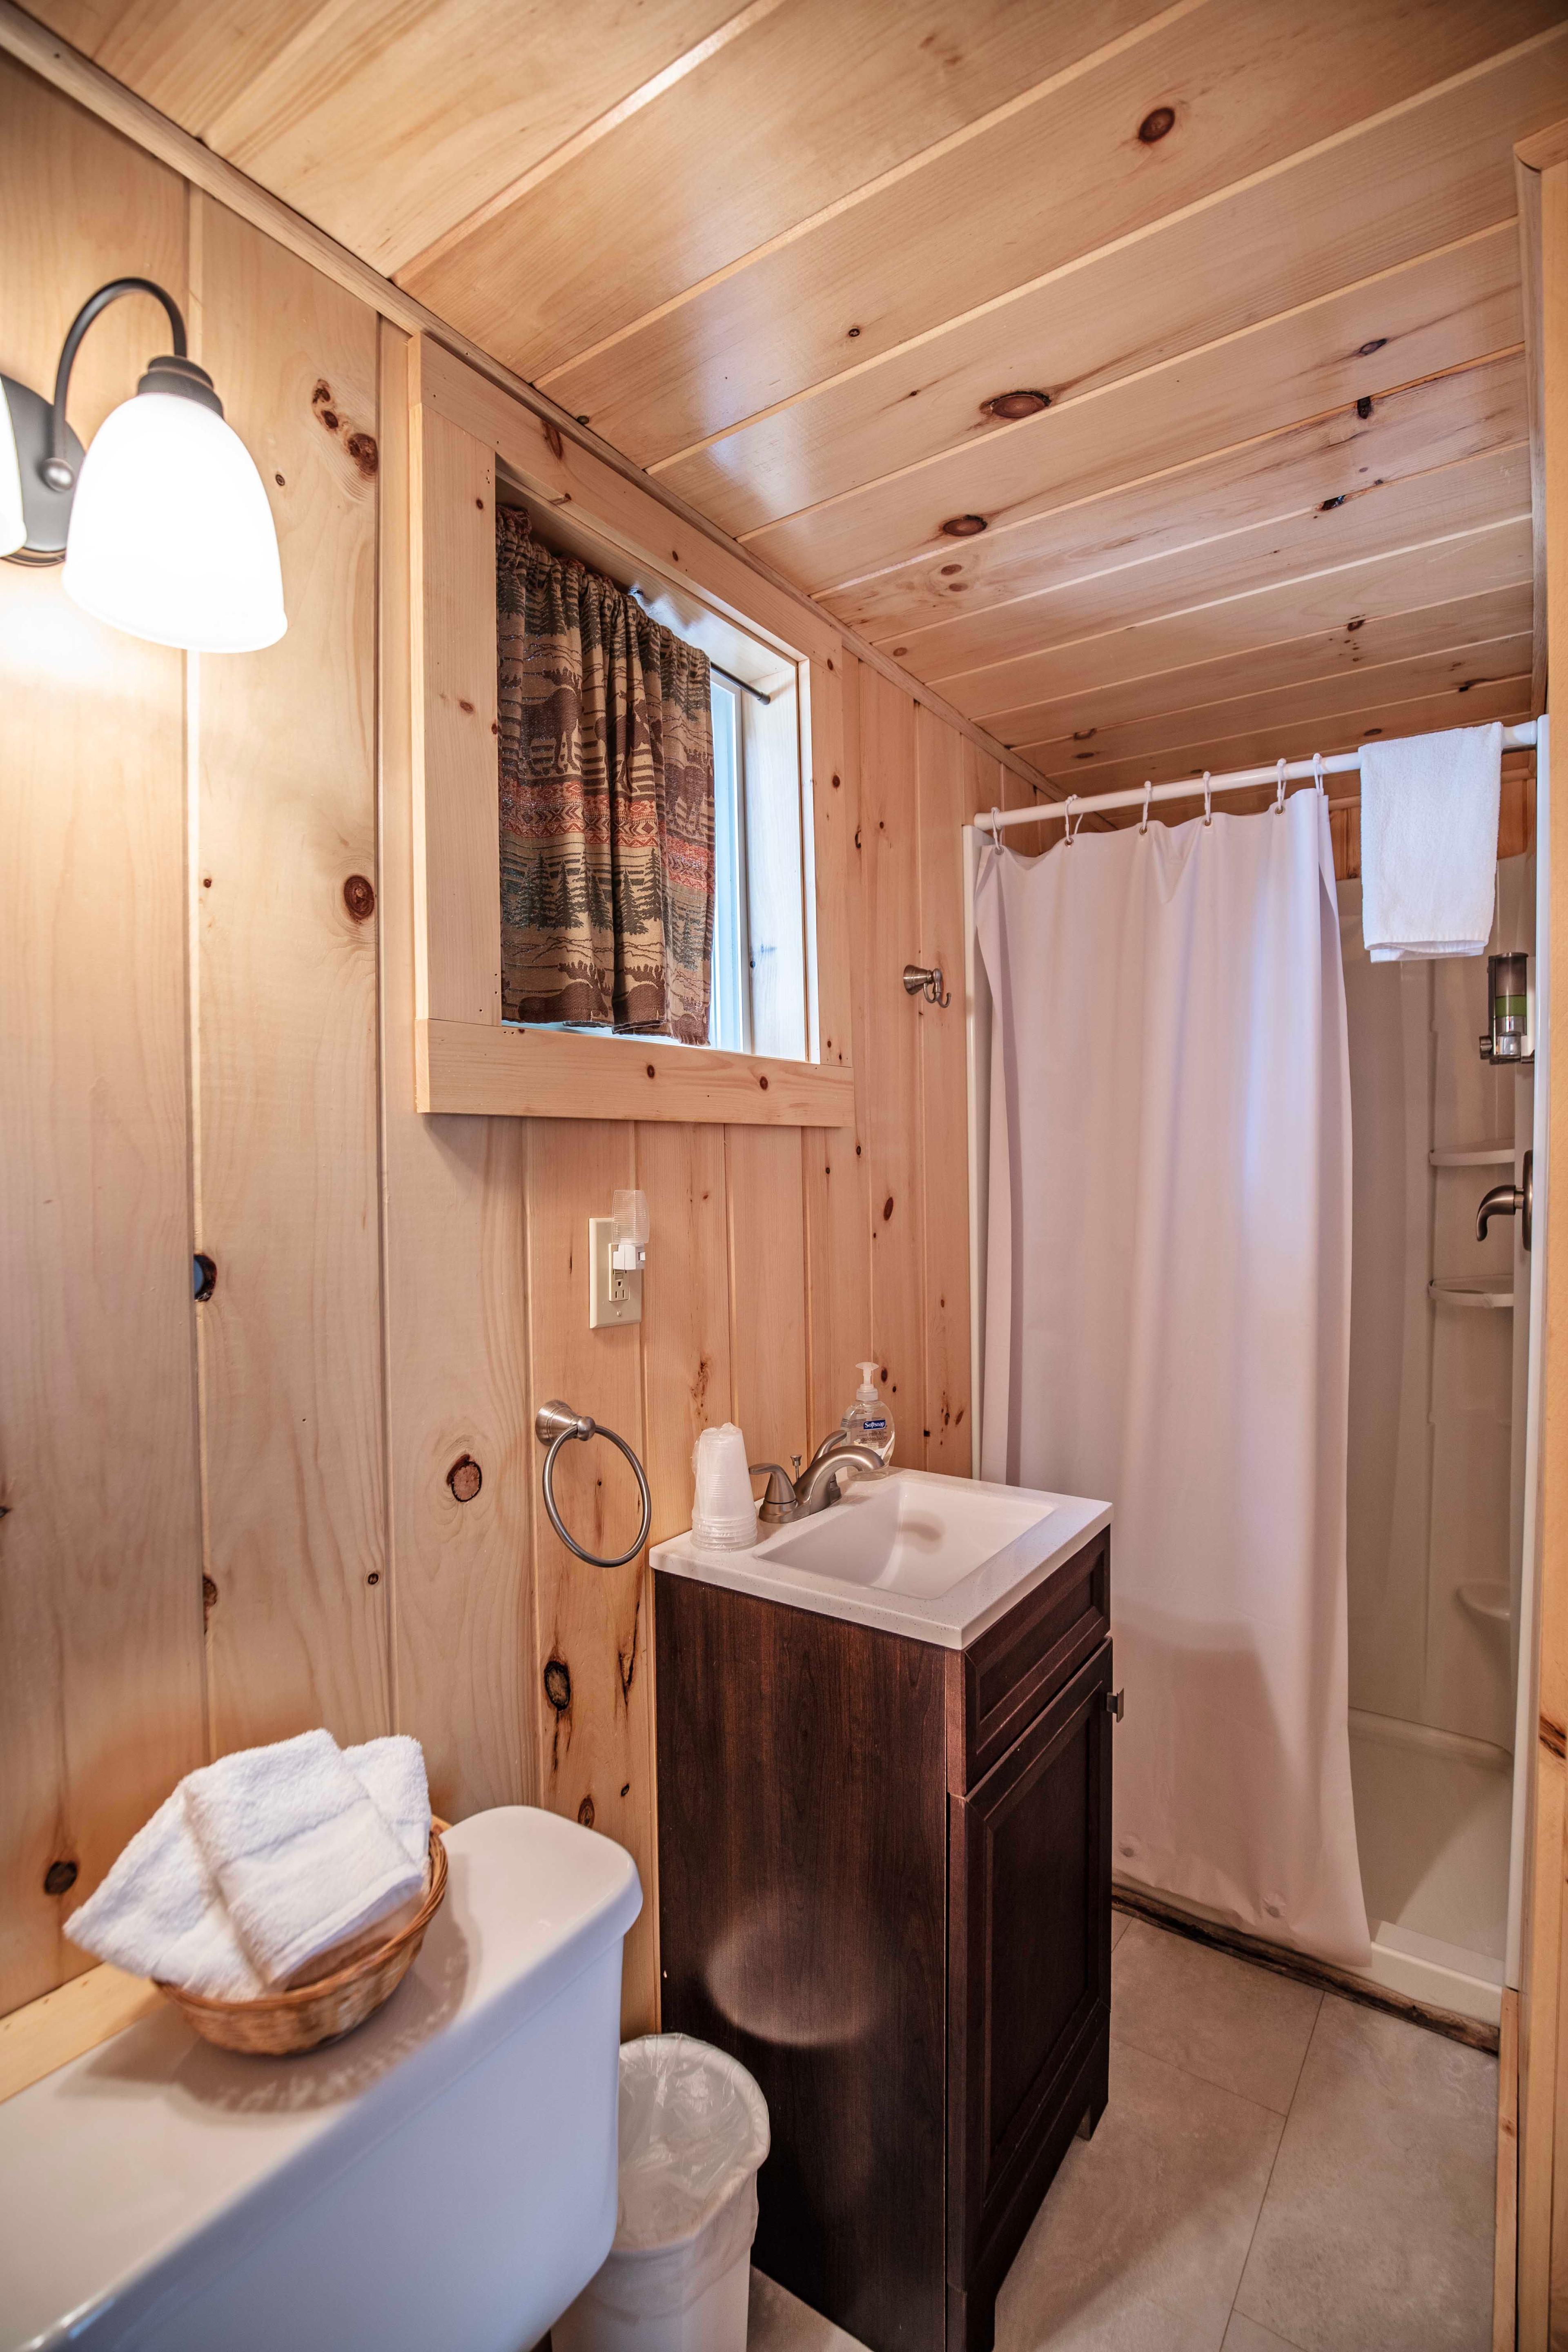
(1015, 1668)
(1029, 1953)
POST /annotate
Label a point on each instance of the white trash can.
(693, 2133)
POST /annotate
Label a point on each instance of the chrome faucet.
(817, 1484)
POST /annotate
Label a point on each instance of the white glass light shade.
(171, 535)
(13, 523)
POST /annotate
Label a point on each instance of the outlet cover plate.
(613, 1297)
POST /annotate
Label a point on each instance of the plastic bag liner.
(693, 2133)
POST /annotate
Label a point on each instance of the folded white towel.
(1428, 843)
(302, 1858)
(159, 1913)
(393, 1771)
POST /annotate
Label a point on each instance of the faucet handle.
(779, 1503)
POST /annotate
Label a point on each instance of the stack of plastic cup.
(724, 1513)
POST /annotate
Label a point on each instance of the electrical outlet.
(614, 1295)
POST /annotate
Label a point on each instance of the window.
(730, 1006)
(476, 448)
(759, 996)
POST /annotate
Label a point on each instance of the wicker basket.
(280, 2024)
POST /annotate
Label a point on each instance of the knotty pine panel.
(100, 1640)
(835, 1174)
(590, 1659)
(890, 873)
(288, 1182)
(455, 1300)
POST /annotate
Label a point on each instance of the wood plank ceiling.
(1263, 260)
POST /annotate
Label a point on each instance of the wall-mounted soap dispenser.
(1510, 1005)
(617, 1253)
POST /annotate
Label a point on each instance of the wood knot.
(585, 1813)
(359, 897)
(209, 1598)
(887, 1208)
(464, 1477)
(363, 449)
(558, 1685)
(1156, 124)
(321, 402)
(59, 1877)
(1552, 1736)
(763, 1084)
(553, 434)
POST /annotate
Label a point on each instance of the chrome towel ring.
(554, 1423)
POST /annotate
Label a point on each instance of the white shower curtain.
(1167, 1324)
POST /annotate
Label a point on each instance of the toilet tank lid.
(112, 2166)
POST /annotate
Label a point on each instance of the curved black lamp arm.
(58, 469)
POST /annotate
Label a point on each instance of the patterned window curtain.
(606, 802)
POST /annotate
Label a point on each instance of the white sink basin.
(916, 1553)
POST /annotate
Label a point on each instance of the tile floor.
(1279, 2170)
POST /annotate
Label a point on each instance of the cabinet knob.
(1116, 1703)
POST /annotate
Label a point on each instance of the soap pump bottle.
(868, 1421)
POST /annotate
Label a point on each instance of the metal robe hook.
(925, 980)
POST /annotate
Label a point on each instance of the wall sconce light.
(163, 525)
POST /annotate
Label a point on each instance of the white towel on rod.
(159, 1911)
(1428, 843)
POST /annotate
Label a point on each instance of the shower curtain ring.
(1280, 795)
(1067, 832)
(1318, 775)
(1148, 796)
(1208, 800)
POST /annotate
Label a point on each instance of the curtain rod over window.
(745, 683)
(1239, 780)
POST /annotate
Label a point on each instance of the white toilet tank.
(442, 2180)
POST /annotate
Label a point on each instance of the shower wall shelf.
(1481, 1155)
(1469, 1294)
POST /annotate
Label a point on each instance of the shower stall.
(1440, 1478)
(1440, 1328)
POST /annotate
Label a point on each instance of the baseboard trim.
(1141, 1904)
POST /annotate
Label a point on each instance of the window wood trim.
(467, 1060)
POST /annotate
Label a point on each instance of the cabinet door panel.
(1030, 1956)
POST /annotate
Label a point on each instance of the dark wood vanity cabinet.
(885, 1886)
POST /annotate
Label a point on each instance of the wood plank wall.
(227, 1522)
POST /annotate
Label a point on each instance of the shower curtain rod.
(1338, 763)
